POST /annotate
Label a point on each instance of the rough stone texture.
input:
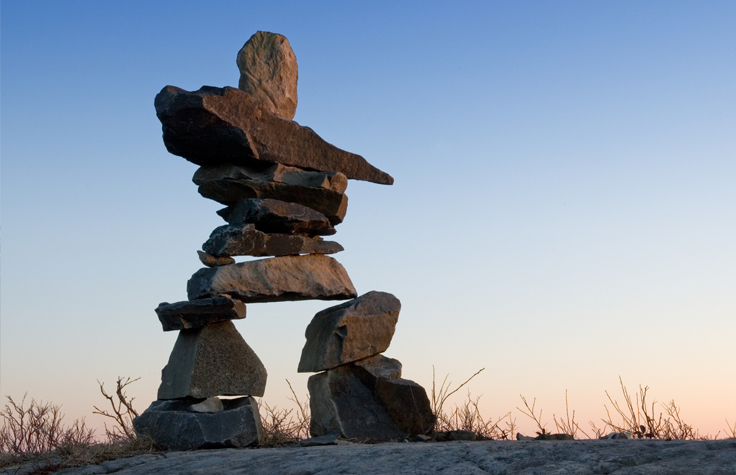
(349, 332)
(212, 361)
(210, 405)
(277, 279)
(274, 216)
(198, 313)
(590, 457)
(380, 367)
(340, 403)
(321, 191)
(214, 126)
(246, 240)
(212, 261)
(268, 72)
(174, 426)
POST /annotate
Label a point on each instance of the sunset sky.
(563, 213)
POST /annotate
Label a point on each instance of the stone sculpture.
(283, 188)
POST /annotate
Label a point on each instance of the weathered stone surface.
(268, 72)
(340, 403)
(210, 405)
(212, 361)
(405, 401)
(350, 331)
(277, 279)
(593, 457)
(329, 439)
(246, 240)
(274, 216)
(321, 191)
(214, 126)
(174, 426)
(212, 261)
(198, 313)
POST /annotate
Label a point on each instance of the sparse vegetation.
(34, 433)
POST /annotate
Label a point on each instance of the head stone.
(268, 71)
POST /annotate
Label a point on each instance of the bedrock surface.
(622, 457)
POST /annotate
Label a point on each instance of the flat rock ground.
(497, 457)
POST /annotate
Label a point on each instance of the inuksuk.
(284, 188)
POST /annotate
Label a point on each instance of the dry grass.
(280, 427)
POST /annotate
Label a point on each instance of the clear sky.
(562, 215)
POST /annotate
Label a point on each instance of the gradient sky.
(562, 215)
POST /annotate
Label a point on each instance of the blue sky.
(563, 211)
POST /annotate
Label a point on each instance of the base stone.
(175, 425)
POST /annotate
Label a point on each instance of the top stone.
(268, 72)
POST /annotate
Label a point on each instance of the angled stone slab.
(214, 261)
(269, 72)
(246, 240)
(178, 425)
(340, 403)
(274, 216)
(321, 191)
(277, 279)
(212, 361)
(350, 331)
(213, 126)
(198, 313)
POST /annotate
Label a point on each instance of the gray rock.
(210, 405)
(274, 216)
(350, 331)
(340, 403)
(172, 426)
(214, 126)
(594, 457)
(198, 313)
(405, 402)
(277, 279)
(212, 361)
(321, 191)
(212, 261)
(268, 72)
(329, 439)
(246, 240)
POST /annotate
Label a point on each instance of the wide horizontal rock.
(212, 361)
(246, 240)
(321, 191)
(350, 331)
(277, 279)
(198, 313)
(274, 216)
(368, 401)
(213, 126)
(268, 71)
(178, 425)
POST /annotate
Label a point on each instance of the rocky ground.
(460, 457)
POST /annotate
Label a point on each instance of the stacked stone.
(284, 188)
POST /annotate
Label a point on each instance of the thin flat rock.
(198, 313)
(278, 279)
(593, 457)
(321, 191)
(246, 240)
(350, 331)
(214, 126)
(274, 216)
(212, 361)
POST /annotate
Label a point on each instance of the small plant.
(530, 413)
(122, 411)
(279, 426)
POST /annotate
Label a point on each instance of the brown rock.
(321, 191)
(274, 216)
(214, 126)
(268, 72)
(350, 331)
(211, 361)
(198, 313)
(215, 261)
(277, 279)
(379, 366)
(246, 240)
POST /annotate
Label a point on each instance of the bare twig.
(122, 410)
